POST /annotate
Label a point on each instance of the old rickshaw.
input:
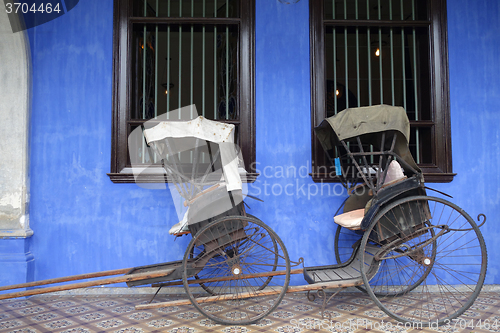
(421, 259)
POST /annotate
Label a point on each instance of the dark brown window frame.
(441, 169)
(120, 171)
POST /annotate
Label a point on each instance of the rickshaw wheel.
(276, 259)
(208, 290)
(264, 284)
(234, 258)
(346, 244)
(431, 260)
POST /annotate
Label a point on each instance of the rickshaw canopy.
(353, 122)
(205, 130)
(199, 127)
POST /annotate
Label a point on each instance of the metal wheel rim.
(238, 311)
(447, 303)
(268, 280)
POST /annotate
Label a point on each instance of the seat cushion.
(350, 220)
(394, 173)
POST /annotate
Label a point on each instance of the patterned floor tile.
(346, 312)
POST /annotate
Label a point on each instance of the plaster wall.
(83, 222)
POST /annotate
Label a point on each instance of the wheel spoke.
(425, 281)
(251, 248)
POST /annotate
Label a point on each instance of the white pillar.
(15, 106)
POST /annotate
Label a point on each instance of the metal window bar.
(156, 66)
(203, 70)
(215, 63)
(156, 72)
(227, 63)
(392, 55)
(144, 51)
(191, 79)
(346, 88)
(397, 65)
(415, 87)
(380, 56)
(403, 58)
(179, 31)
(368, 47)
(192, 60)
(203, 67)
(335, 69)
(168, 63)
(179, 103)
(358, 85)
(334, 60)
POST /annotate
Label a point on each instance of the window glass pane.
(182, 65)
(421, 144)
(142, 155)
(375, 10)
(376, 65)
(187, 8)
(143, 56)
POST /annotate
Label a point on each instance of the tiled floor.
(350, 312)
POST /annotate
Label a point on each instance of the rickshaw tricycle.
(421, 259)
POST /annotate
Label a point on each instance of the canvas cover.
(353, 122)
(204, 129)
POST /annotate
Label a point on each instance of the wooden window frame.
(121, 171)
(441, 168)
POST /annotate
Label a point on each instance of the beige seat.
(350, 220)
(353, 218)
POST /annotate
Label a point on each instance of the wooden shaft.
(209, 299)
(227, 278)
(66, 279)
(257, 293)
(118, 279)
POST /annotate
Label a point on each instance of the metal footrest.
(329, 274)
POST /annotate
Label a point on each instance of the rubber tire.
(237, 313)
(467, 231)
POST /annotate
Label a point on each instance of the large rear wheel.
(429, 260)
(236, 270)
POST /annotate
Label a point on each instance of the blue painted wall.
(474, 50)
(83, 222)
